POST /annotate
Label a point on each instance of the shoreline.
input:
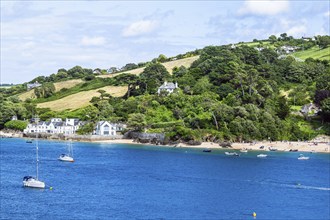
(278, 145)
(282, 146)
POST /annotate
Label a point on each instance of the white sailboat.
(67, 157)
(34, 182)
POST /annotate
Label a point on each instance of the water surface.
(119, 181)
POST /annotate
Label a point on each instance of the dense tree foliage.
(16, 125)
(229, 93)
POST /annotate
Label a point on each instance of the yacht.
(34, 182)
(262, 155)
(67, 157)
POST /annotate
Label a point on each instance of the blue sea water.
(119, 181)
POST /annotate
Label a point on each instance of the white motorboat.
(244, 150)
(67, 157)
(34, 182)
(302, 157)
(231, 153)
(262, 155)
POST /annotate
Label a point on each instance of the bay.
(121, 181)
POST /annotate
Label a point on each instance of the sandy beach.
(322, 144)
(323, 147)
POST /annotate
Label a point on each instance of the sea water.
(120, 181)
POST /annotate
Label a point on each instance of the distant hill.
(81, 99)
(186, 62)
(315, 53)
(58, 86)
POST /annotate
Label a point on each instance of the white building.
(106, 128)
(55, 126)
(168, 87)
(32, 85)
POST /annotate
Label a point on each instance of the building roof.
(167, 85)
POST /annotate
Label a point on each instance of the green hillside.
(315, 53)
(227, 92)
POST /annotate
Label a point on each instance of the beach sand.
(311, 146)
(280, 146)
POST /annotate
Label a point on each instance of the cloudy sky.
(40, 37)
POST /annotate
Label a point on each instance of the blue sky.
(40, 37)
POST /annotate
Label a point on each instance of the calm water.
(117, 181)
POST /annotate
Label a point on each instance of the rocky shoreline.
(321, 144)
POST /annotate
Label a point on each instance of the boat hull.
(34, 184)
(66, 159)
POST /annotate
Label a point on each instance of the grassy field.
(58, 86)
(81, 99)
(186, 62)
(315, 53)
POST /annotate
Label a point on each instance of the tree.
(325, 107)
(323, 41)
(162, 58)
(153, 76)
(272, 39)
(129, 66)
(137, 121)
(283, 109)
(16, 125)
(202, 85)
(45, 91)
(284, 36)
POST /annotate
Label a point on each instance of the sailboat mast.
(37, 154)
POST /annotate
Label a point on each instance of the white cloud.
(264, 7)
(327, 14)
(139, 28)
(296, 31)
(93, 41)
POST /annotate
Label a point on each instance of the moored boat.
(262, 155)
(302, 157)
(231, 153)
(30, 181)
(67, 157)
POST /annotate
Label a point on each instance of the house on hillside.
(106, 128)
(54, 126)
(168, 87)
(287, 49)
(32, 85)
(309, 109)
(97, 71)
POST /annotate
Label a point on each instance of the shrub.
(16, 125)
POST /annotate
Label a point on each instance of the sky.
(40, 37)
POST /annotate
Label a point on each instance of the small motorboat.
(262, 155)
(207, 150)
(66, 158)
(231, 153)
(293, 150)
(272, 149)
(29, 141)
(244, 150)
(29, 181)
(302, 157)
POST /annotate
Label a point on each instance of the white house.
(32, 85)
(168, 87)
(55, 126)
(106, 128)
